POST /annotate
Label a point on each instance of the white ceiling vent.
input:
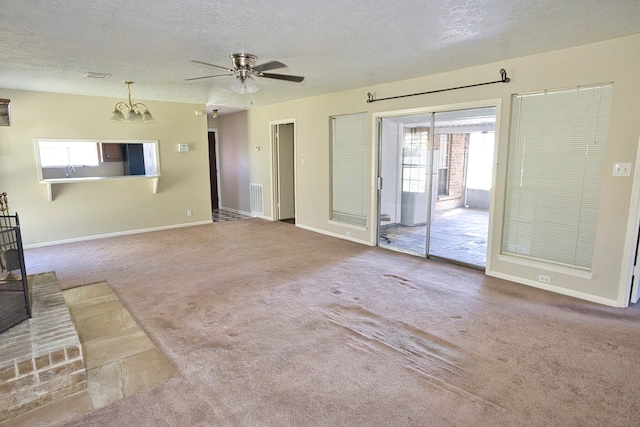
(93, 75)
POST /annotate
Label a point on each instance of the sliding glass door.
(435, 174)
(405, 155)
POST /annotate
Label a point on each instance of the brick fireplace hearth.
(41, 358)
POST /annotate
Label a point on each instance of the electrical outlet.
(544, 279)
(347, 233)
(189, 213)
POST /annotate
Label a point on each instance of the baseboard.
(119, 233)
(339, 236)
(556, 289)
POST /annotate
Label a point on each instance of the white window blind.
(349, 169)
(554, 173)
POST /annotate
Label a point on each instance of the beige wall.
(82, 210)
(615, 60)
(234, 162)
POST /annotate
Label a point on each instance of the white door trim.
(274, 166)
(630, 241)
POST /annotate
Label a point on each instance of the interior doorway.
(213, 171)
(283, 143)
(435, 171)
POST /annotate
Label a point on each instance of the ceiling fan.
(243, 68)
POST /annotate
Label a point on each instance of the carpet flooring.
(267, 324)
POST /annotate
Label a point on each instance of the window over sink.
(75, 159)
(65, 161)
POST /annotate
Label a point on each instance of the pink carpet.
(267, 324)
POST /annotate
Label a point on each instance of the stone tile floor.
(119, 357)
(458, 235)
(221, 215)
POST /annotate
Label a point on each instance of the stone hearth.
(41, 358)
(73, 368)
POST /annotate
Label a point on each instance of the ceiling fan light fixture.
(244, 67)
(246, 85)
(250, 85)
(237, 86)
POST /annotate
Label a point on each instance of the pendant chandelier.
(130, 112)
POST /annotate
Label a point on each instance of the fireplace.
(41, 359)
(15, 304)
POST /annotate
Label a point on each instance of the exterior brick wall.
(459, 147)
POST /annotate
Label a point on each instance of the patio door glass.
(405, 156)
(435, 184)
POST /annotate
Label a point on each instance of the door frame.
(626, 293)
(377, 144)
(275, 212)
(217, 153)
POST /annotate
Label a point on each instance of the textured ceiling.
(337, 45)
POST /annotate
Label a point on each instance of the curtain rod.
(503, 79)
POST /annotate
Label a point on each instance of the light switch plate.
(621, 169)
(183, 148)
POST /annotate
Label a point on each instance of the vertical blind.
(349, 169)
(554, 172)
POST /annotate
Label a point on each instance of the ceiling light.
(244, 84)
(214, 114)
(130, 112)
